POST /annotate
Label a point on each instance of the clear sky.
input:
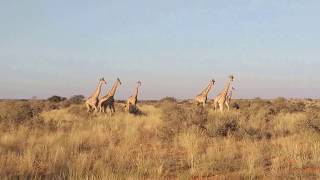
(174, 47)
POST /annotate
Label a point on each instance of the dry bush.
(285, 106)
(168, 99)
(176, 118)
(76, 99)
(256, 125)
(289, 123)
(194, 143)
(313, 116)
(56, 99)
(133, 109)
(222, 124)
(16, 112)
(78, 110)
(165, 101)
(297, 154)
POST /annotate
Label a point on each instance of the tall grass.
(262, 139)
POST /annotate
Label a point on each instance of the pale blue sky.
(174, 47)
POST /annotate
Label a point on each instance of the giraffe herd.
(95, 103)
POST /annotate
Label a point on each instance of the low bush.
(56, 99)
(76, 99)
(16, 112)
(176, 118)
(222, 124)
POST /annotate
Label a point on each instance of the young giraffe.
(108, 100)
(92, 101)
(203, 97)
(221, 99)
(132, 100)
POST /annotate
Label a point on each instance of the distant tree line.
(76, 99)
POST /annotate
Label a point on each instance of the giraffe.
(92, 101)
(221, 99)
(203, 96)
(132, 100)
(108, 100)
(229, 97)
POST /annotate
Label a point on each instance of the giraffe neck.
(226, 89)
(230, 94)
(229, 97)
(137, 91)
(206, 91)
(114, 89)
(98, 90)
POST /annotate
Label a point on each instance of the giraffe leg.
(88, 107)
(127, 107)
(113, 109)
(215, 105)
(95, 109)
(103, 109)
(110, 109)
(100, 108)
(228, 107)
(221, 106)
(106, 108)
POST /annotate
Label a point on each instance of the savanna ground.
(257, 139)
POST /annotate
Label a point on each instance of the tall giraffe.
(229, 97)
(221, 99)
(108, 100)
(203, 96)
(93, 100)
(132, 100)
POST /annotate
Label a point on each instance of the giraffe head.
(213, 81)
(231, 77)
(102, 81)
(139, 83)
(119, 81)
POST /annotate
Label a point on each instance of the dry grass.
(276, 139)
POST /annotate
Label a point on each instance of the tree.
(56, 99)
(76, 99)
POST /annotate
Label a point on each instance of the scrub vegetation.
(57, 139)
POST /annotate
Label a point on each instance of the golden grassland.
(257, 139)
